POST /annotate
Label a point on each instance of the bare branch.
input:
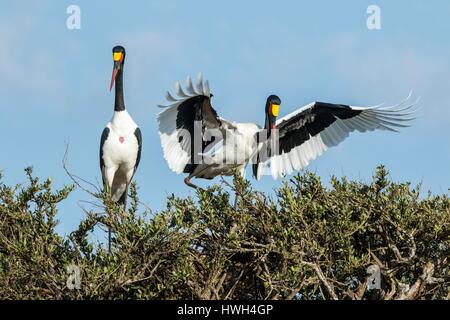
(76, 180)
(322, 278)
(425, 278)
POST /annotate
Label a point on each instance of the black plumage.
(138, 135)
(196, 111)
(310, 122)
(104, 137)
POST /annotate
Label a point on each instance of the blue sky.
(54, 81)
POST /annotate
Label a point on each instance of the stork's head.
(272, 109)
(119, 60)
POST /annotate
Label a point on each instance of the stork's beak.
(114, 74)
(271, 127)
(275, 109)
(273, 133)
(274, 136)
(118, 59)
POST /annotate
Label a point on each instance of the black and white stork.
(121, 141)
(296, 139)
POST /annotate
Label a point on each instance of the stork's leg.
(109, 239)
(129, 177)
(188, 182)
(109, 174)
(122, 203)
(109, 177)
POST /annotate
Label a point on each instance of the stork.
(121, 141)
(284, 145)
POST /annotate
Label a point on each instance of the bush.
(309, 242)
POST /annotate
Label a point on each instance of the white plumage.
(120, 153)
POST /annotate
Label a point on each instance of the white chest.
(121, 147)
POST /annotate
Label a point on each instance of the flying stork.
(121, 141)
(284, 144)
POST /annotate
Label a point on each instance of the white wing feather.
(175, 151)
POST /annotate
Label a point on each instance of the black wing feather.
(197, 110)
(296, 130)
(105, 135)
(138, 136)
(299, 128)
(319, 119)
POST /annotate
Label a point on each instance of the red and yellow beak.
(118, 59)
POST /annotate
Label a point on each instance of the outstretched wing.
(306, 133)
(190, 112)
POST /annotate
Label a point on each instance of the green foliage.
(32, 254)
(309, 242)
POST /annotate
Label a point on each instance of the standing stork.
(295, 139)
(121, 141)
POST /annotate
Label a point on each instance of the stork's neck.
(119, 105)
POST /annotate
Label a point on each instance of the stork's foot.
(188, 182)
